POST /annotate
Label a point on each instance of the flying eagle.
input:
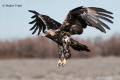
(76, 21)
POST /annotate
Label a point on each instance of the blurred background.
(17, 41)
(19, 49)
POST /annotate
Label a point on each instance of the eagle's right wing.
(91, 16)
(43, 22)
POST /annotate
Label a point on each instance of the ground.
(46, 69)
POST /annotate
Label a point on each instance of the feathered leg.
(61, 60)
(66, 45)
(64, 52)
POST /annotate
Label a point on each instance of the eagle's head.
(50, 32)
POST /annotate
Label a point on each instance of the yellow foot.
(62, 62)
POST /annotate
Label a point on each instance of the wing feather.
(42, 22)
(94, 22)
(32, 21)
(106, 15)
(35, 30)
(106, 19)
(100, 10)
(103, 24)
(92, 16)
(33, 27)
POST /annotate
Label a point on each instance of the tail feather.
(78, 46)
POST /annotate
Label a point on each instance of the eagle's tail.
(78, 46)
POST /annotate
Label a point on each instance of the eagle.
(75, 22)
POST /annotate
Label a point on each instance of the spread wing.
(91, 16)
(42, 22)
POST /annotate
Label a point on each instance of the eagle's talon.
(64, 61)
(61, 62)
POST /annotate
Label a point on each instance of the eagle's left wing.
(42, 22)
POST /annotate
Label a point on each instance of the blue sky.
(14, 20)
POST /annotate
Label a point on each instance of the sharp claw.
(59, 63)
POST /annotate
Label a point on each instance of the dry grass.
(45, 69)
(44, 48)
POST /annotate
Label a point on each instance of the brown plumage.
(76, 21)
